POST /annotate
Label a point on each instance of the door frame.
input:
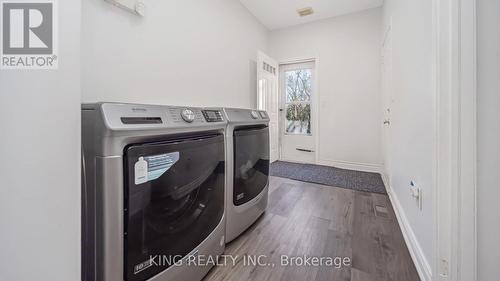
(454, 49)
(315, 112)
(261, 58)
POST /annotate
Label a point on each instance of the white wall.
(488, 145)
(412, 131)
(348, 48)
(182, 53)
(40, 167)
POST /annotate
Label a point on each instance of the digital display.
(213, 116)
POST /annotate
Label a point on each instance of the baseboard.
(421, 263)
(364, 167)
(387, 183)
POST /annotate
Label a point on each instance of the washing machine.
(152, 193)
(247, 157)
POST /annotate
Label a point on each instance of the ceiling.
(275, 14)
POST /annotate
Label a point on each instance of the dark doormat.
(356, 180)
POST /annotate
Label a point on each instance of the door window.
(298, 85)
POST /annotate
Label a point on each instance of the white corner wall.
(349, 78)
(488, 134)
(412, 130)
(197, 53)
(40, 167)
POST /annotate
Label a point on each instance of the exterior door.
(267, 98)
(297, 112)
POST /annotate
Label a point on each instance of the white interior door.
(267, 98)
(388, 97)
(297, 112)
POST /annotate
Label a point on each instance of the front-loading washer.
(247, 177)
(153, 192)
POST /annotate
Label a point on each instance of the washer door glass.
(174, 200)
(251, 163)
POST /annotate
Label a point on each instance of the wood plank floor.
(321, 221)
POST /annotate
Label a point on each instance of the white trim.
(441, 222)
(466, 209)
(455, 203)
(298, 60)
(273, 109)
(417, 254)
(386, 181)
(358, 166)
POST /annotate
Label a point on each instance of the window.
(298, 86)
(262, 98)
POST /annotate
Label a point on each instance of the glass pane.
(298, 85)
(251, 163)
(178, 205)
(262, 94)
(298, 119)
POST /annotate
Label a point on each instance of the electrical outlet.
(416, 192)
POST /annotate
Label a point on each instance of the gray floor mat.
(356, 180)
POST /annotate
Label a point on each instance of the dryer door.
(174, 200)
(251, 163)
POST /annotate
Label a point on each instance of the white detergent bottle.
(141, 171)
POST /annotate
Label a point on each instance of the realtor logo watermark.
(29, 34)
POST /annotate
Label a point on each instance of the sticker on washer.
(149, 168)
(143, 266)
(240, 196)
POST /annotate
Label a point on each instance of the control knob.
(254, 114)
(187, 115)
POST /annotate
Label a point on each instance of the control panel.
(185, 115)
(122, 116)
(236, 115)
(213, 115)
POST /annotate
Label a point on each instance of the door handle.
(304, 150)
(387, 122)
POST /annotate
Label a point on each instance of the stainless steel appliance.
(247, 184)
(153, 191)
